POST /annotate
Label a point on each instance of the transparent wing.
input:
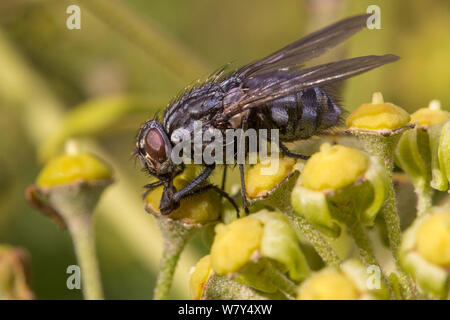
(274, 84)
(304, 49)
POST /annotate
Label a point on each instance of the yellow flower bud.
(328, 285)
(334, 167)
(431, 115)
(378, 115)
(72, 168)
(235, 244)
(266, 175)
(199, 277)
(433, 239)
(200, 208)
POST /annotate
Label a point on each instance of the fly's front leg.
(150, 187)
(171, 198)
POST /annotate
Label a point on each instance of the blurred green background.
(130, 57)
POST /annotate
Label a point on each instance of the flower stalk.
(175, 234)
(380, 139)
(276, 198)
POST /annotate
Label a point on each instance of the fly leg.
(194, 183)
(217, 190)
(241, 170)
(290, 154)
(224, 178)
(243, 192)
(150, 187)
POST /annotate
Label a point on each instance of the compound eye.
(154, 145)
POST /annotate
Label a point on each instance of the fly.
(276, 92)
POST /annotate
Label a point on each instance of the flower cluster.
(309, 233)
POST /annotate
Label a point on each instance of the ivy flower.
(329, 182)
(425, 252)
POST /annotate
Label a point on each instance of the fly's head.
(153, 148)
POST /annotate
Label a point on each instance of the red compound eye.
(154, 145)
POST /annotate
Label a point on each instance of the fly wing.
(308, 47)
(273, 84)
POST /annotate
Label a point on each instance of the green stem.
(362, 241)
(221, 288)
(424, 194)
(284, 284)
(383, 147)
(175, 237)
(81, 230)
(391, 218)
(322, 247)
(279, 201)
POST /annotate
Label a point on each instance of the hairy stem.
(221, 288)
(81, 230)
(175, 237)
(322, 247)
(424, 194)
(319, 243)
(383, 147)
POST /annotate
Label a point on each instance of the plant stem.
(285, 285)
(279, 201)
(322, 247)
(383, 147)
(175, 237)
(221, 288)
(80, 227)
(362, 242)
(424, 194)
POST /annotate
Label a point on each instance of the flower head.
(431, 115)
(330, 180)
(348, 282)
(378, 116)
(425, 252)
(255, 242)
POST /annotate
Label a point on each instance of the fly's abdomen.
(302, 115)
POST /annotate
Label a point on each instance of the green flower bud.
(419, 152)
(425, 252)
(204, 284)
(443, 158)
(330, 180)
(14, 282)
(270, 246)
(349, 282)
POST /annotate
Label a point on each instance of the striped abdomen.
(302, 115)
